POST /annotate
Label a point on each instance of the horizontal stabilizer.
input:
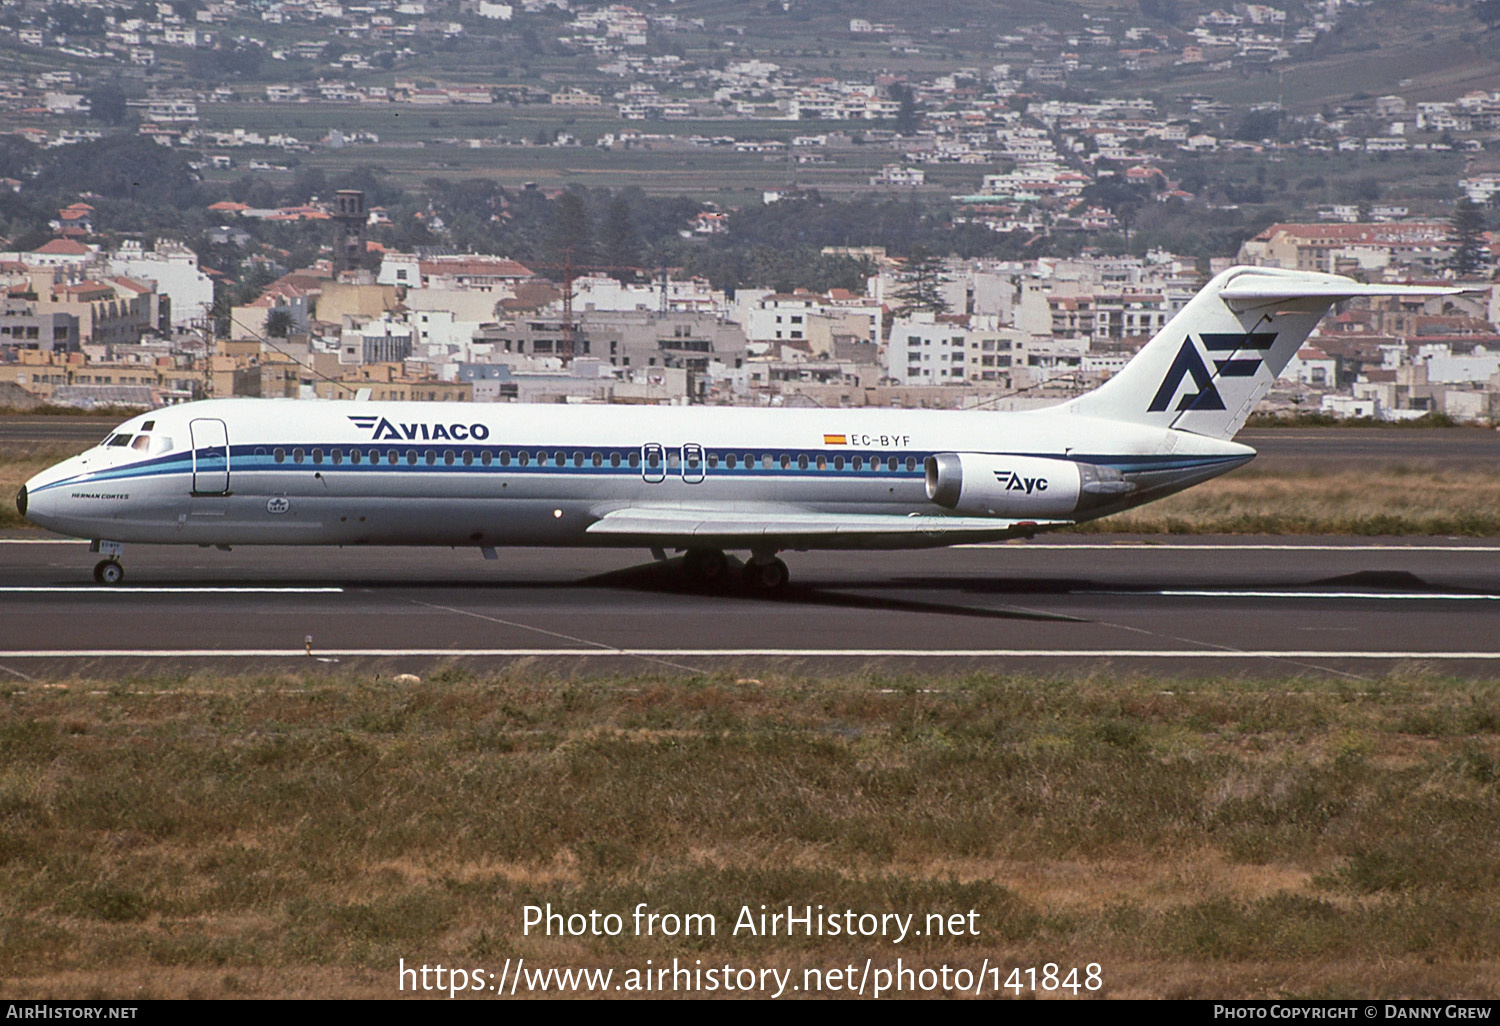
(1255, 287)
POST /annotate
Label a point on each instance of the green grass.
(299, 833)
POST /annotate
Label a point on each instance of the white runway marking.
(1146, 546)
(104, 591)
(785, 653)
(42, 541)
(1404, 596)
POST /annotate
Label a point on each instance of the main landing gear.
(108, 570)
(765, 576)
(762, 574)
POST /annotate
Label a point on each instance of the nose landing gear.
(108, 570)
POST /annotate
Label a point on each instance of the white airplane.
(699, 480)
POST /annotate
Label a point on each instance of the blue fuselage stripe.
(794, 463)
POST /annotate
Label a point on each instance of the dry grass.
(19, 461)
(1387, 501)
(296, 835)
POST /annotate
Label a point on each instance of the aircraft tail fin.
(1218, 357)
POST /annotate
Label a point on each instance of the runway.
(1263, 607)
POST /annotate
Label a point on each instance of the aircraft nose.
(21, 501)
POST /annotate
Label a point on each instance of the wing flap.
(688, 525)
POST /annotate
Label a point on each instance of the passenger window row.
(562, 458)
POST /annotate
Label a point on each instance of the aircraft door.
(210, 457)
(692, 463)
(653, 463)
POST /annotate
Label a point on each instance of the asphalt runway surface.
(1261, 607)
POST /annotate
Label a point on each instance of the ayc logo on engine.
(1013, 482)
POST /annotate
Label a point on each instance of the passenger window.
(317, 455)
(653, 460)
(338, 456)
(279, 455)
(411, 457)
(468, 458)
(578, 459)
(765, 461)
(560, 458)
(485, 458)
(597, 459)
(911, 463)
(354, 456)
(523, 457)
(801, 462)
(858, 463)
(431, 457)
(392, 457)
(838, 463)
(713, 460)
(786, 462)
(614, 459)
(674, 460)
(731, 461)
(635, 459)
(297, 455)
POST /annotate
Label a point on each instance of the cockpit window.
(141, 442)
(148, 425)
(120, 439)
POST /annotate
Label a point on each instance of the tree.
(1466, 231)
(107, 103)
(572, 231)
(279, 323)
(618, 237)
(922, 282)
(907, 115)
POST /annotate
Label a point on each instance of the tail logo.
(1189, 363)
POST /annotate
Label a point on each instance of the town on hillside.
(772, 204)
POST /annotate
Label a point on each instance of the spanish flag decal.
(835, 439)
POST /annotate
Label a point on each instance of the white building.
(175, 270)
(943, 349)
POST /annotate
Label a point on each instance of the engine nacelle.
(1017, 486)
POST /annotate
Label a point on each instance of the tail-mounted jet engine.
(1019, 486)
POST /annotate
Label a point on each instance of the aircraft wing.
(668, 526)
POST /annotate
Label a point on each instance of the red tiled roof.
(63, 247)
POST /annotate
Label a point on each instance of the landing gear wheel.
(766, 578)
(705, 566)
(109, 571)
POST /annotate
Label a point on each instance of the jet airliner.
(696, 480)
